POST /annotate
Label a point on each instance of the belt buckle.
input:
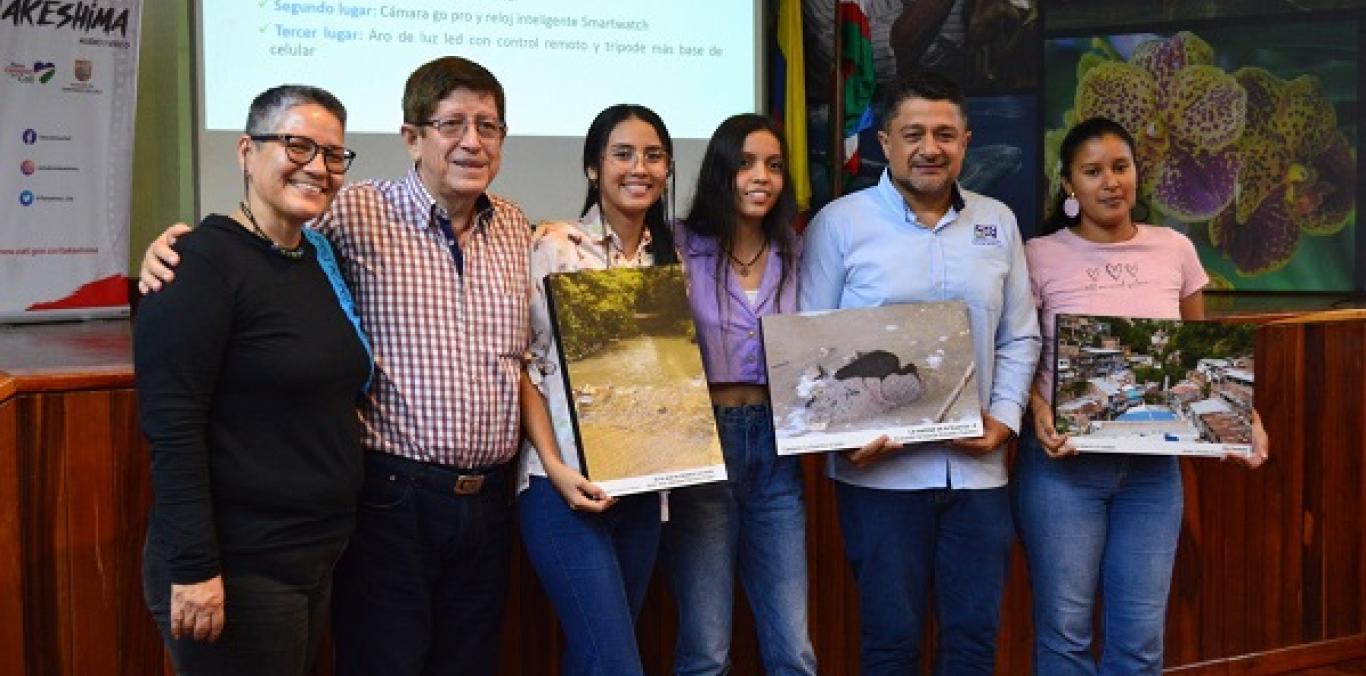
(469, 484)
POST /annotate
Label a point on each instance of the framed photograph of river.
(637, 392)
(1154, 386)
(841, 378)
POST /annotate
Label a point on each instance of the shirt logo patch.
(984, 234)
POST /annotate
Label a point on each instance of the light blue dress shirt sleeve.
(1017, 339)
(821, 272)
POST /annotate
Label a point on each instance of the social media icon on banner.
(26, 197)
(28, 167)
(44, 70)
(30, 137)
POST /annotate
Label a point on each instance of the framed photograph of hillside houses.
(1150, 386)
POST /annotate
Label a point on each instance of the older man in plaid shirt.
(438, 268)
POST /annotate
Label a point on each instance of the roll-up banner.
(67, 100)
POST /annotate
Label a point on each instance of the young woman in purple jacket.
(740, 253)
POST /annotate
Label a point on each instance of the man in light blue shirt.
(931, 514)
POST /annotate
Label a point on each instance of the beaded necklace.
(292, 254)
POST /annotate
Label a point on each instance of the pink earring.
(1071, 206)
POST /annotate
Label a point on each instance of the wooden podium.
(1271, 571)
(74, 491)
(1270, 577)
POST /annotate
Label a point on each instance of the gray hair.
(268, 106)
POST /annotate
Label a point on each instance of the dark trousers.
(420, 589)
(274, 609)
(903, 543)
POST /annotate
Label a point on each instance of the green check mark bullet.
(263, 28)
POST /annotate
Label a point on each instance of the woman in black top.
(248, 369)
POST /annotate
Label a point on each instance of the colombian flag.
(859, 76)
(788, 106)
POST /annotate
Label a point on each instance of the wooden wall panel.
(13, 646)
(139, 643)
(1336, 422)
(92, 539)
(80, 498)
(833, 595)
(1015, 645)
(43, 500)
(1280, 487)
(1270, 575)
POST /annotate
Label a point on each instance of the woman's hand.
(552, 229)
(1261, 445)
(1054, 445)
(578, 492)
(197, 610)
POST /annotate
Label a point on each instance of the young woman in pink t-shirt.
(1102, 519)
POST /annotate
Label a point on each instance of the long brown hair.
(713, 212)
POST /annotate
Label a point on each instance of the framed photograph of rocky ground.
(841, 378)
(638, 395)
(1153, 386)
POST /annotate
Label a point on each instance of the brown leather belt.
(469, 484)
(442, 478)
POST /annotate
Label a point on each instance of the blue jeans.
(596, 569)
(1098, 521)
(902, 542)
(421, 587)
(756, 522)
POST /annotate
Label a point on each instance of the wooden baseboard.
(1280, 661)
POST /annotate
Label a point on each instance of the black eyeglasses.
(488, 129)
(301, 150)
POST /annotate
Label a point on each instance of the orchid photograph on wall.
(1246, 141)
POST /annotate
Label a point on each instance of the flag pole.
(836, 116)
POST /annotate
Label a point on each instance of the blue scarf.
(328, 261)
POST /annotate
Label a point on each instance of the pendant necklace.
(741, 266)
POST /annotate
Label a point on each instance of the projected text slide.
(559, 62)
